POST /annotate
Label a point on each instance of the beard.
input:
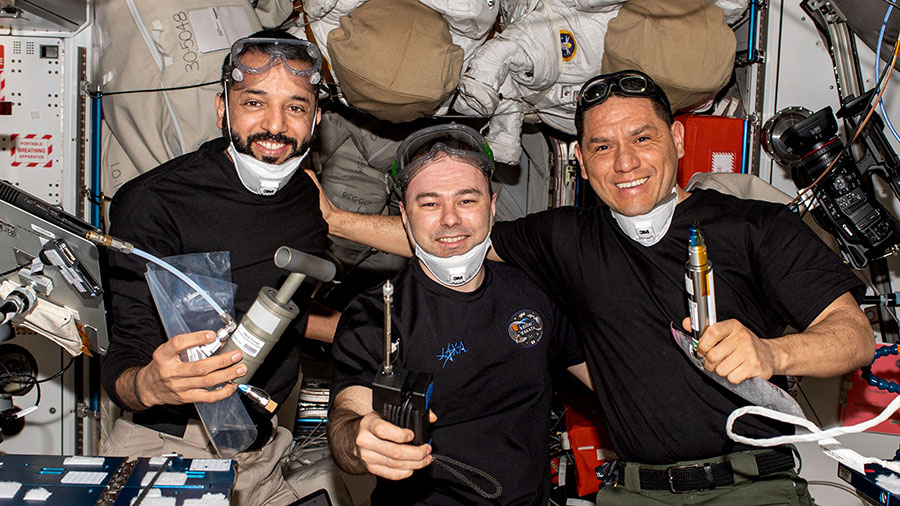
(243, 145)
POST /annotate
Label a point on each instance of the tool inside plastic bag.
(756, 390)
(183, 310)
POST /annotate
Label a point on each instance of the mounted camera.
(844, 201)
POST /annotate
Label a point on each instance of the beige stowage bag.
(395, 59)
(684, 45)
(161, 44)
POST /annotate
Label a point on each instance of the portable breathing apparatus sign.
(31, 150)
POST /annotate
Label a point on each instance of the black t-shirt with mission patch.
(770, 271)
(492, 353)
(197, 204)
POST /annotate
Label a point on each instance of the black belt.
(681, 479)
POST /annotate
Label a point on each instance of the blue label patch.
(450, 352)
(525, 328)
(569, 47)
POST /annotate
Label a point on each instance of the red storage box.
(711, 144)
(590, 446)
(861, 402)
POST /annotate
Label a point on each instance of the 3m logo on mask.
(525, 327)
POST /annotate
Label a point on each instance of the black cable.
(33, 381)
(152, 90)
(14, 269)
(561, 418)
(37, 401)
(149, 486)
(29, 379)
(97, 199)
(449, 464)
(59, 373)
(796, 453)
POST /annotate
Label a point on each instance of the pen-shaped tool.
(698, 280)
(257, 395)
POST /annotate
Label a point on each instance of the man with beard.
(238, 194)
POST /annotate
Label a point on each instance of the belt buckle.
(672, 478)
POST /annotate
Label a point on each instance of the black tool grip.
(403, 400)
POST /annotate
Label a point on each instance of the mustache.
(243, 145)
(279, 138)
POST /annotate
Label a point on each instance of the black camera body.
(848, 208)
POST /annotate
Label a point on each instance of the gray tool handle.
(304, 263)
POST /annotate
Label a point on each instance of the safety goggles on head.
(454, 140)
(627, 82)
(288, 51)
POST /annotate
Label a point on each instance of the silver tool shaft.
(388, 292)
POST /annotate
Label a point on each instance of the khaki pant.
(258, 479)
(784, 488)
(262, 477)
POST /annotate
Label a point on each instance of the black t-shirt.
(196, 204)
(491, 353)
(770, 271)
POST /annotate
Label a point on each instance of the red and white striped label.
(31, 150)
(2, 80)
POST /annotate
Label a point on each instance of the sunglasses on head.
(627, 82)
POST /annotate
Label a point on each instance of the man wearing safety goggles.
(487, 335)
(239, 194)
(618, 269)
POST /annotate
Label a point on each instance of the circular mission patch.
(525, 327)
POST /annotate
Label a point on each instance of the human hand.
(168, 380)
(734, 352)
(383, 448)
(326, 206)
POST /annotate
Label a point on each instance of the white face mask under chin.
(648, 229)
(458, 269)
(260, 177)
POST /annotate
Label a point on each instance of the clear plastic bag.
(229, 427)
(755, 390)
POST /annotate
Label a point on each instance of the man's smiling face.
(271, 113)
(629, 154)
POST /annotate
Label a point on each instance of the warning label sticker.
(31, 150)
